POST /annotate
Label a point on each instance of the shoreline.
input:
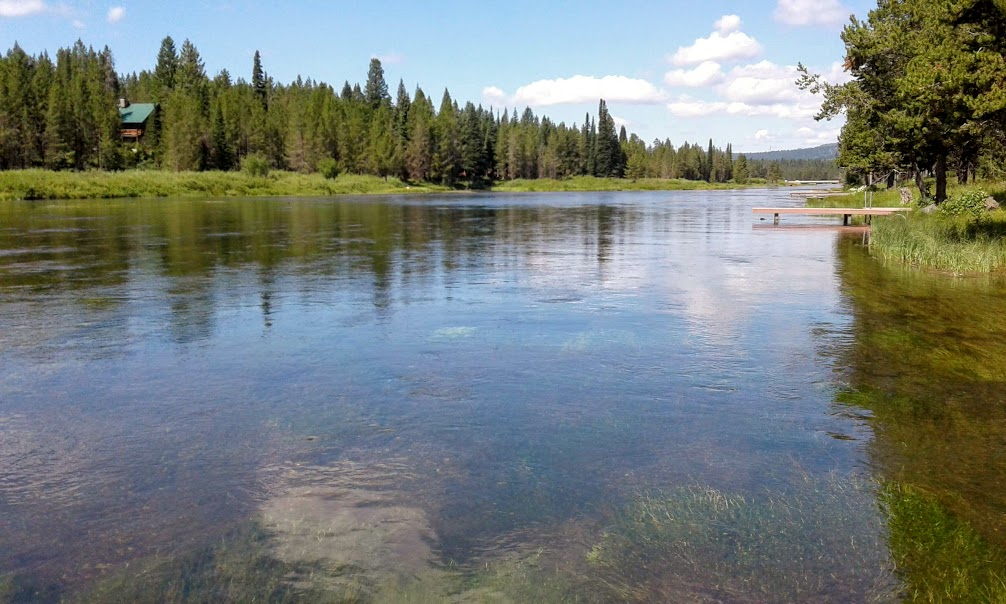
(40, 185)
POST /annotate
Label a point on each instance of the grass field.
(46, 184)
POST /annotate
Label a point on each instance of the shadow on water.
(926, 369)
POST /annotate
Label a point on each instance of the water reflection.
(926, 369)
(486, 380)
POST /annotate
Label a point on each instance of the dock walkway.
(845, 213)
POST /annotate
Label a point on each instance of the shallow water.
(476, 396)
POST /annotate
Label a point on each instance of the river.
(538, 397)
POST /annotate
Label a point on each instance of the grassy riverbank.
(949, 239)
(45, 184)
(955, 244)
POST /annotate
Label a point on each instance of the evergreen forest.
(62, 114)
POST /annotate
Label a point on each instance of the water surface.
(579, 397)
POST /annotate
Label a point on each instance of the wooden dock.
(845, 213)
(818, 193)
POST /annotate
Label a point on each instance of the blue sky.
(686, 71)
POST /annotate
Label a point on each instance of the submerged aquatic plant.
(939, 556)
(701, 543)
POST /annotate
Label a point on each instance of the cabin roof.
(136, 113)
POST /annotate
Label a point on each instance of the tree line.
(927, 94)
(62, 114)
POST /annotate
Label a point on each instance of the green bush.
(968, 203)
(255, 164)
(328, 168)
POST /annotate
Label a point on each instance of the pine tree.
(258, 81)
(447, 158)
(419, 154)
(167, 65)
(708, 163)
(608, 154)
(382, 154)
(472, 145)
(221, 155)
(376, 90)
(741, 170)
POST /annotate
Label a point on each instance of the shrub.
(968, 203)
(255, 164)
(328, 168)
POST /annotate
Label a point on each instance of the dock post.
(776, 219)
(845, 220)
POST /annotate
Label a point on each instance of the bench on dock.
(845, 213)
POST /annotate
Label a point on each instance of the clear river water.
(607, 397)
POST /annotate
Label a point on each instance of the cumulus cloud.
(761, 89)
(687, 107)
(706, 74)
(582, 89)
(494, 96)
(762, 135)
(116, 14)
(763, 83)
(811, 12)
(819, 136)
(21, 8)
(728, 23)
(620, 121)
(726, 43)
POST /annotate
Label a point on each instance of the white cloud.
(698, 108)
(727, 43)
(78, 24)
(620, 121)
(587, 89)
(728, 23)
(706, 74)
(688, 107)
(762, 135)
(811, 12)
(761, 89)
(116, 14)
(820, 136)
(21, 8)
(763, 83)
(494, 96)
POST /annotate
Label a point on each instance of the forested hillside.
(821, 152)
(61, 113)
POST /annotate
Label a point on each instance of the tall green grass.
(46, 184)
(956, 244)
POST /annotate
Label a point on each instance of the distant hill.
(829, 151)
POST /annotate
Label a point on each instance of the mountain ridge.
(828, 151)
